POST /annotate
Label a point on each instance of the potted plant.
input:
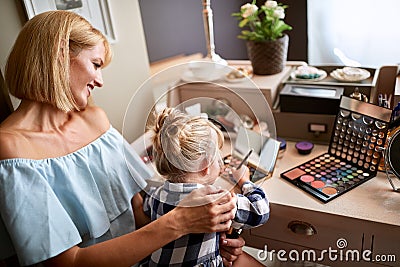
(264, 32)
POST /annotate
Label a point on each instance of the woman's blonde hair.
(38, 65)
(183, 144)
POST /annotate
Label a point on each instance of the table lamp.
(209, 32)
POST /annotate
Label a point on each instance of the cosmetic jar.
(304, 147)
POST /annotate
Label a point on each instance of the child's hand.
(241, 175)
(137, 202)
(141, 218)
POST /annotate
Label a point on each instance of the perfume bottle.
(359, 96)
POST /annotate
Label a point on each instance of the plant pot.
(268, 57)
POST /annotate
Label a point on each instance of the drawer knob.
(302, 228)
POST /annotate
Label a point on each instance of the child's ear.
(205, 171)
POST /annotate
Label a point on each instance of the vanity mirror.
(392, 159)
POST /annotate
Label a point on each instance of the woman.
(66, 175)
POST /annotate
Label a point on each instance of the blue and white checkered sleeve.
(148, 201)
(252, 207)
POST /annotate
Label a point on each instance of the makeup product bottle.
(396, 113)
(359, 96)
(233, 233)
(282, 147)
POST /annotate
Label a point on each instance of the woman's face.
(85, 73)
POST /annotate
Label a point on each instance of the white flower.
(271, 4)
(279, 12)
(248, 10)
(263, 23)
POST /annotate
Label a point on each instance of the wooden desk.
(367, 217)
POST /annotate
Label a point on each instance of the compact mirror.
(264, 155)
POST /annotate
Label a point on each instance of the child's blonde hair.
(183, 144)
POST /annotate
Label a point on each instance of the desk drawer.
(291, 228)
(268, 250)
(310, 229)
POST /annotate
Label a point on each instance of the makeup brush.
(244, 159)
(234, 233)
(240, 165)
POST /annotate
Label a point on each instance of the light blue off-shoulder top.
(48, 206)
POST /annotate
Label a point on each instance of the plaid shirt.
(201, 249)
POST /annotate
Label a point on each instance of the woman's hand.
(205, 210)
(230, 249)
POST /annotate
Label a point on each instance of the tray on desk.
(329, 80)
(366, 86)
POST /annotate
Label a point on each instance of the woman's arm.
(129, 249)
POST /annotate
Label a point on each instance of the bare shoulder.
(11, 142)
(96, 117)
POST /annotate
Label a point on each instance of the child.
(186, 153)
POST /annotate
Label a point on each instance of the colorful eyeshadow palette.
(230, 162)
(353, 155)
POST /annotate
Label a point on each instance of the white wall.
(11, 21)
(128, 70)
(365, 31)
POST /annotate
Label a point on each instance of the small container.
(282, 147)
(357, 95)
(304, 147)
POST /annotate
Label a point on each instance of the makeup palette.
(231, 161)
(354, 152)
